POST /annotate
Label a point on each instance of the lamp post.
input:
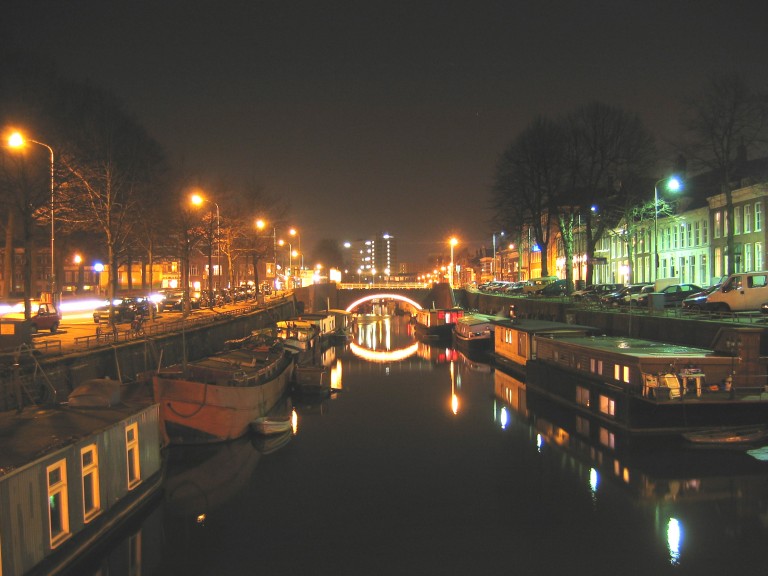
(673, 185)
(294, 232)
(16, 140)
(452, 242)
(282, 242)
(493, 264)
(260, 225)
(197, 200)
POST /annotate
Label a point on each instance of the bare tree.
(529, 181)
(113, 165)
(721, 123)
(609, 150)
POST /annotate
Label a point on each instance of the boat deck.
(638, 348)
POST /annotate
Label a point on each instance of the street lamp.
(453, 242)
(294, 232)
(672, 185)
(260, 225)
(282, 242)
(198, 200)
(16, 140)
(493, 264)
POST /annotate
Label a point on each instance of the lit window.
(758, 216)
(132, 454)
(89, 460)
(717, 226)
(626, 374)
(607, 438)
(58, 505)
(747, 218)
(607, 405)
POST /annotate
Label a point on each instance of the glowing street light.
(261, 225)
(16, 140)
(294, 232)
(198, 200)
(453, 241)
(673, 184)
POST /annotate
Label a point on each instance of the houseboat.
(436, 323)
(643, 386)
(217, 398)
(473, 333)
(324, 323)
(298, 336)
(663, 474)
(344, 323)
(514, 340)
(70, 477)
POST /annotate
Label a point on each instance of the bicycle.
(106, 333)
(137, 326)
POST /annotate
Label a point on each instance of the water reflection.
(419, 466)
(691, 497)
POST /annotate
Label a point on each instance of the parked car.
(123, 310)
(45, 316)
(626, 294)
(514, 288)
(698, 301)
(174, 301)
(597, 291)
(556, 288)
(674, 294)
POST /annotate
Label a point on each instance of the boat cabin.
(514, 338)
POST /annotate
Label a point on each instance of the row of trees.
(117, 197)
(597, 165)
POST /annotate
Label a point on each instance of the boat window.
(132, 455)
(58, 502)
(89, 462)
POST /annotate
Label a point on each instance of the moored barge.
(217, 398)
(436, 323)
(643, 386)
(514, 343)
(473, 333)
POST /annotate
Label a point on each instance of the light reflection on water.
(437, 464)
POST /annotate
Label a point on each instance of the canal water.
(425, 462)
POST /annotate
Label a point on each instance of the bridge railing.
(382, 285)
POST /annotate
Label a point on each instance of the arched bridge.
(439, 295)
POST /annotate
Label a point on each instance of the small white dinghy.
(268, 425)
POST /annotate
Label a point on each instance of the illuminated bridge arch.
(383, 296)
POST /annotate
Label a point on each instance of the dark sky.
(385, 116)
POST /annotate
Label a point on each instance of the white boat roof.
(636, 347)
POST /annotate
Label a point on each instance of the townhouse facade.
(692, 246)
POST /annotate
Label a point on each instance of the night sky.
(385, 116)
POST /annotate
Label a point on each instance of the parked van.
(534, 285)
(740, 292)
